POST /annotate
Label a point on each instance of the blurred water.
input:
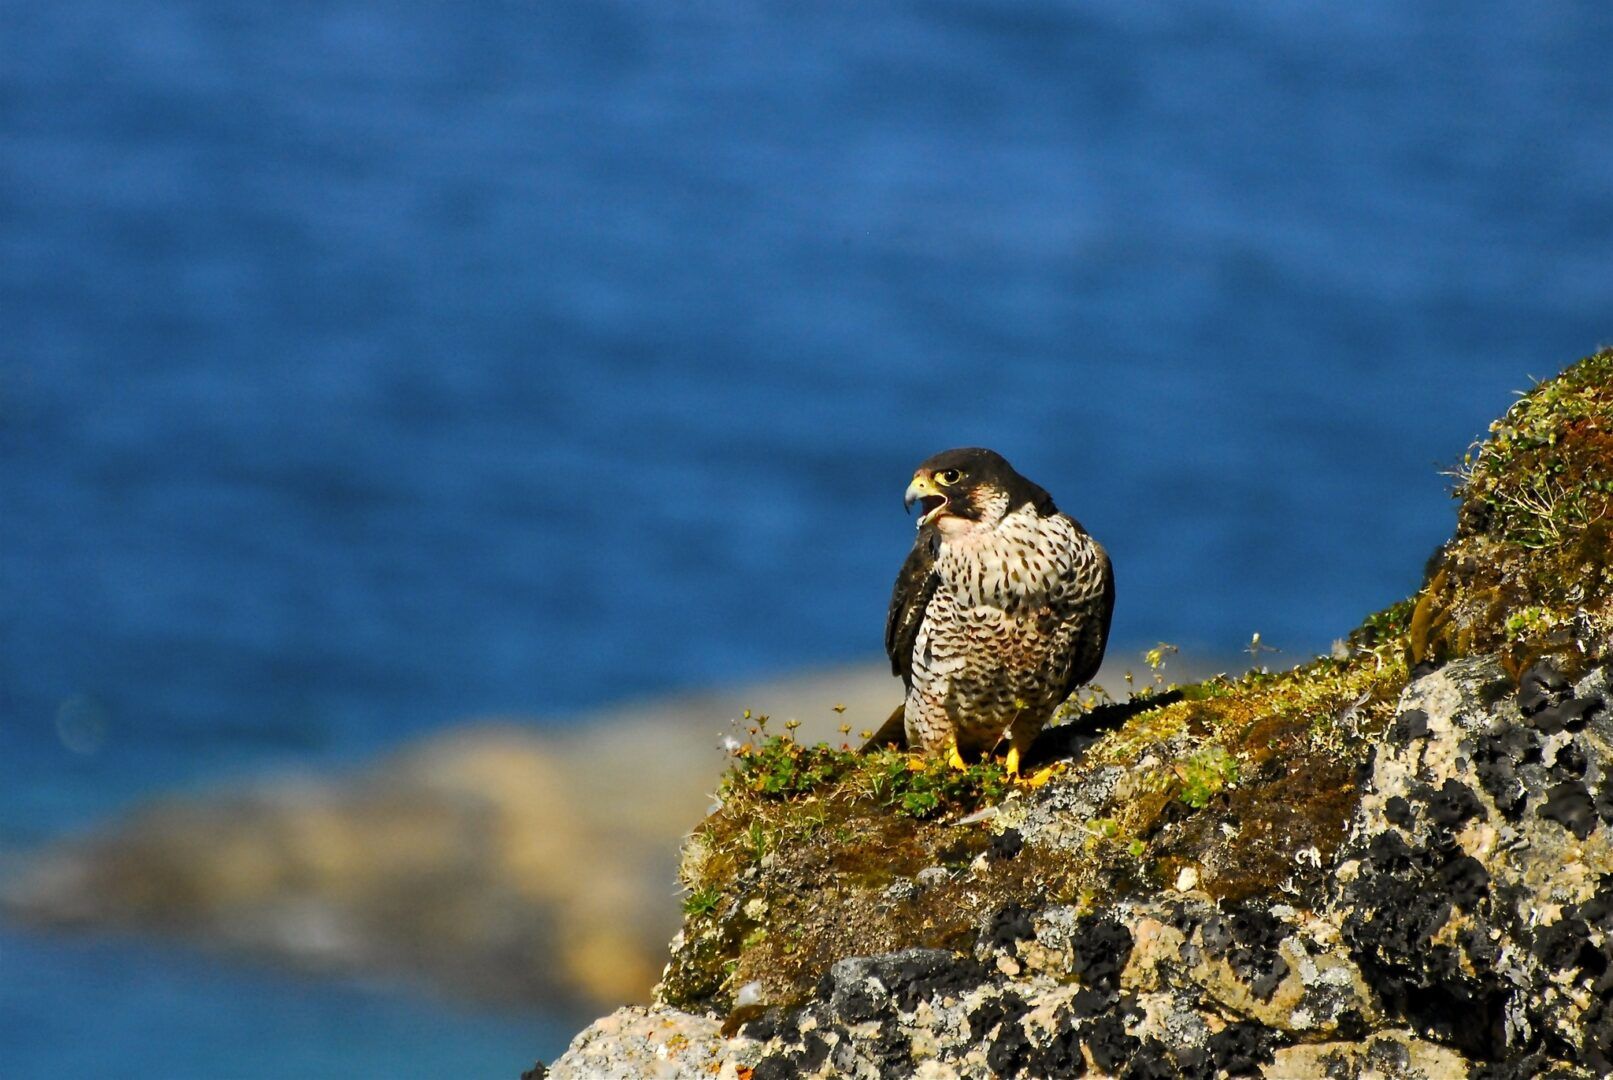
(115, 1008)
(367, 367)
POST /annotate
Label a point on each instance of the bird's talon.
(1043, 775)
(954, 758)
(1012, 764)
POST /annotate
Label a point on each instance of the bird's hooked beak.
(923, 491)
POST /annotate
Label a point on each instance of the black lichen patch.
(814, 1052)
(1453, 804)
(1399, 812)
(1194, 1063)
(1006, 844)
(1496, 758)
(1569, 804)
(1010, 1051)
(1570, 761)
(1541, 686)
(1401, 899)
(1058, 1055)
(1102, 947)
(1007, 1007)
(776, 1066)
(928, 975)
(1438, 975)
(1467, 882)
(1409, 725)
(1152, 1061)
(1571, 715)
(857, 1002)
(891, 1051)
(1566, 945)
(1008, 928)
(1519, 1066)
(764, 1027)
(1365, 768)
(1248, 936)
(1108, 1042)
(1240, 1049)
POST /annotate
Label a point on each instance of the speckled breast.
(1003, 629)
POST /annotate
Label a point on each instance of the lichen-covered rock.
(1395, 861)
(1478, 884)
(634, 1043)
(1385, 1055)
(1457, 933)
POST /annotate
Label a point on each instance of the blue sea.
(368, 367)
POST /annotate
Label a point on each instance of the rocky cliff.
(1393, 861)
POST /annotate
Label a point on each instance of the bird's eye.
(949, 476)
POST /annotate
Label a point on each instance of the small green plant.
(1528, 621)
(1387, 626)
(924, 789)
(702, 901)
(759, 842)
(778, 767)
(1204, 774)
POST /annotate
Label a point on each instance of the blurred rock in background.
(496, 862)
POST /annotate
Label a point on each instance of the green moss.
(702, 901)
(776, 769)
(1205, 773)
(1528, 573)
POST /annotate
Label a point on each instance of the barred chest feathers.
(1027, 561)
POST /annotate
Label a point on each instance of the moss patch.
(1529, 573)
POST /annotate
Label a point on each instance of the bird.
(1000, 611)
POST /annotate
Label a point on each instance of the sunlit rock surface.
(1390, 862)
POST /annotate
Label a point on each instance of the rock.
(636, 1044)
(1386, 1055)
(1395, 861)
(1459, 939)
(1471, 912)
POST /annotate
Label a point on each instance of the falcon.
(1000, 611)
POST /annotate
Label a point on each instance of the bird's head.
(964, 490)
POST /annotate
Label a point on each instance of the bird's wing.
(915, 584)
(1086, 665)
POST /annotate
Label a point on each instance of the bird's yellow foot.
(1012, 764)
(1043, 775)
(918, 762)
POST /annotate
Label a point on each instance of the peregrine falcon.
(1000, 611)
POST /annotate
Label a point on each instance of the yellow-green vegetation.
(1205, 773)
(1529, 572)
(778, 769)
(1247, 781)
